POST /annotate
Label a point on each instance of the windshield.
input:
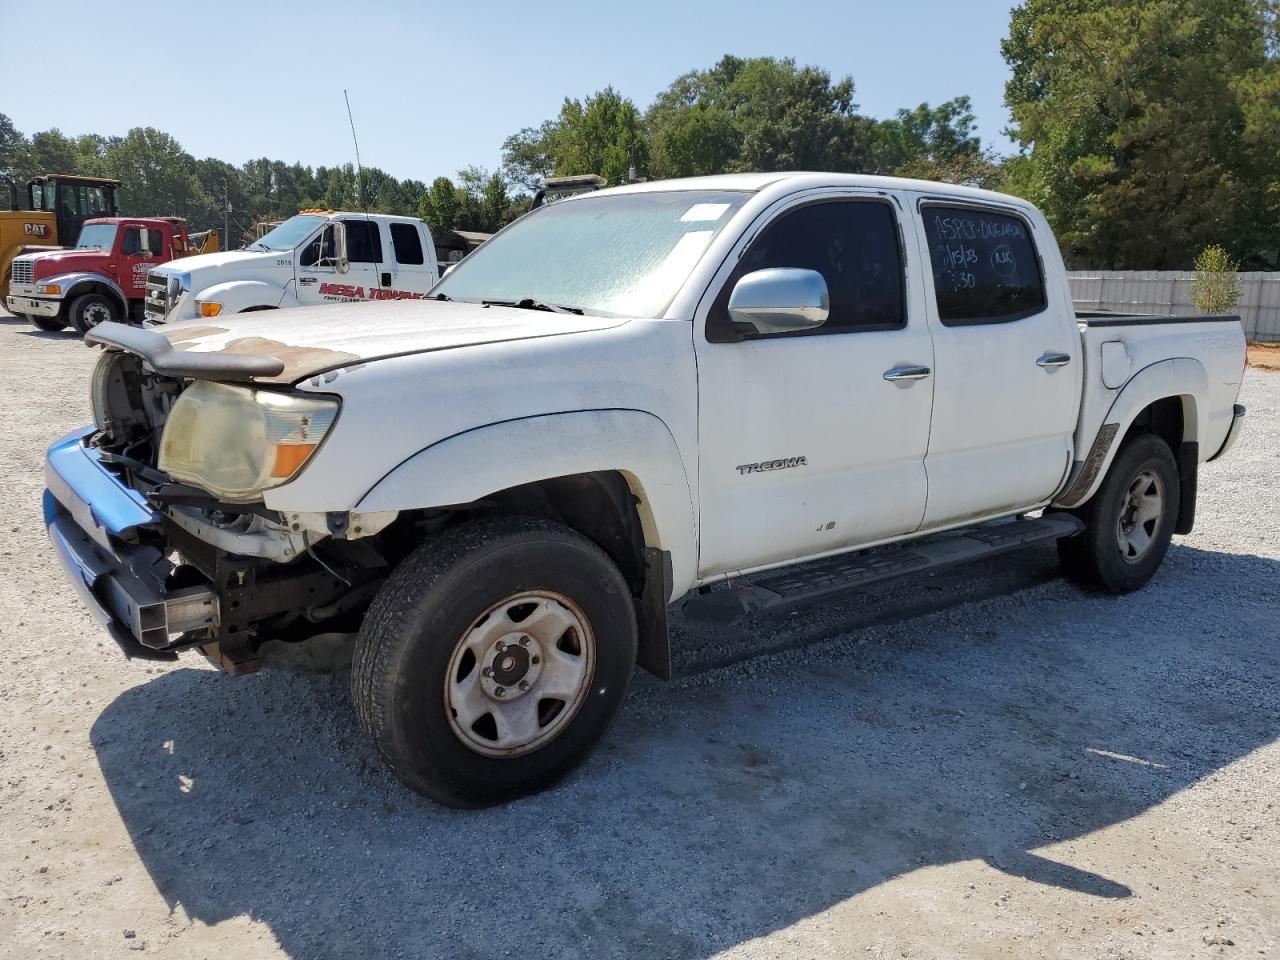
(97, 236)
(290, 233)
(624, 254)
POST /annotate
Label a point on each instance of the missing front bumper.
(94, 522)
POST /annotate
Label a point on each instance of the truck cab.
(316, 257)
(103, 277)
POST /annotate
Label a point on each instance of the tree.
(439, 206)
(12, 145)
(938, 134)
(1148, 127)
(760, 113)
(159, 177)
(602, 134)
(1216, 287)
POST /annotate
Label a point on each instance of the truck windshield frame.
(611, 255)
(97, 236)
(290, 234)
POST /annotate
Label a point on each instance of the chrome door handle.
(907, 372)
(306, 279)
(1054, 360)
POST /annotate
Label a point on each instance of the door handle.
(306, 279)
(1054, 360)
(909, 371)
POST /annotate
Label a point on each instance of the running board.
(821, 579)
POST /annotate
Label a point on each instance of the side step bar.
(821, 579)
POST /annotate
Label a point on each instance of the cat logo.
(36, 229)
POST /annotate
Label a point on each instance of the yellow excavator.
(51, 211)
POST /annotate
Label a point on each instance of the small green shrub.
(1216, 288)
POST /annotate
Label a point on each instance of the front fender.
(240, 295)
(1181, 377)
(74, 284)
(472, 465)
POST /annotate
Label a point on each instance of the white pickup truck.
(825, 380)
(318, 256)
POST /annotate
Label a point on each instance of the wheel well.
(599, 505)
(1165, 418)
(80, 289)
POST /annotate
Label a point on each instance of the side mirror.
(780, 300)
(340, 260)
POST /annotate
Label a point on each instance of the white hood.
(311, 340)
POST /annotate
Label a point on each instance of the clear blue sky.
(437, 86)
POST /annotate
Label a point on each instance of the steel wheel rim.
(94, 314)
(519, 674)
(1141, 515)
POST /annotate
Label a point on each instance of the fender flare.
(1181, 377)
(237, 296)
(73, 282)
(476, 463)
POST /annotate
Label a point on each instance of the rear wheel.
(92, 309)
(493, 659)
(1128, 522)
(48, 324)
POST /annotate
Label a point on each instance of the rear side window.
(364, 245)
(407, 245)
(985, 267)
(852, 243)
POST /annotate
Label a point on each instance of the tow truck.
(104, 276)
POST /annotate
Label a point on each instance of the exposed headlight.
(52, 289)
(208, 308)
(236, 442)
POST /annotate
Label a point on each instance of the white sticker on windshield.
(703, 212)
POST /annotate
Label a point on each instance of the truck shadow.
(722, 807)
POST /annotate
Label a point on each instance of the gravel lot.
(988, 763)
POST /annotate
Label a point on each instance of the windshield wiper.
(528, 303)
(258, 243)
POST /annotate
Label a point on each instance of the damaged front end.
(166, 565)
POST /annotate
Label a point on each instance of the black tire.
(48, 324)
(92, 309)
(435, 598)
(1102, 556)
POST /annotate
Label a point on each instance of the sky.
(438, 86)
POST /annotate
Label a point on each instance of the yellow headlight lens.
(236, 442)
(52, 289)
(209, 309)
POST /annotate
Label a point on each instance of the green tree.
(1216, 287)
(439, 206)
(602, 134)
(12, 146)
(759, 113)
(923, 134)
(159, 177)
(1148, 127)
(49, 151)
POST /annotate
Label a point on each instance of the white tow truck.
(318, 256)
(820, 380)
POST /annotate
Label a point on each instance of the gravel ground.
(986, 764)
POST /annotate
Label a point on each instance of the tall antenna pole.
(359, 176)
(226, 217)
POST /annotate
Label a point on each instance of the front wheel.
(1128, 522)
(92, 309)
(493, 659)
